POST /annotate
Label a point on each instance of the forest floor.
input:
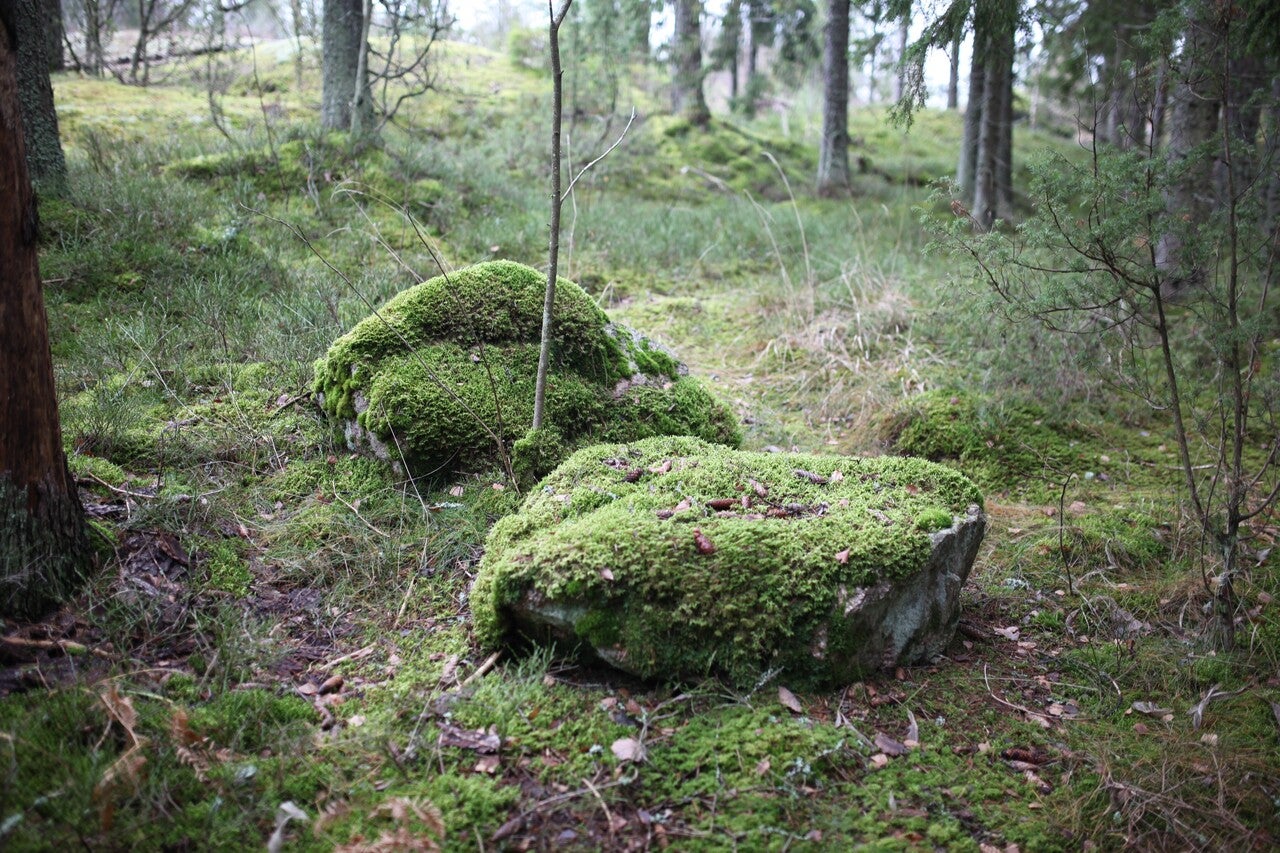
(277, 648)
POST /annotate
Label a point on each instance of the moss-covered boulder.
(999, 445)
(446, 370)
(674, 558)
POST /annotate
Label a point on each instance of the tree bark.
(687, 98)
(833, 153)
(967, 170)
(340, 59)
(44, 553)
(46, 165)
(54, 33)
(953, 83)
(1004, 149)
(1194, 102)
(993, 185)
(900, 82)
(361, 112)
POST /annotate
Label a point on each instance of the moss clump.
(537, 453)
(720, 156)
(999, 447)
(697, 559)
(226, 568)
(445, 371)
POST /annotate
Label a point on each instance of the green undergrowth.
(250, 555)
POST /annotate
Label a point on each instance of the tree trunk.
(967, 170)
(1193, 120)
(1271, 154)
(54, 33)
(361, 97)
(953, 83)
(993, 186)
(687, 99)
(1004, 150)
(44, 553)
(833, 153)
(96, 28)
(757, 17)
(900, 82)
(340, 60)
(45, 162)
(984, 178)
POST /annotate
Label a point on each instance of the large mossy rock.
(449, 364)
(673, 558)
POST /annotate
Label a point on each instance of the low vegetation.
(281, 641)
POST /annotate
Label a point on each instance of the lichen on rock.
(674, 558)
(445, 371)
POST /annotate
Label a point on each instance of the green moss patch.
(696, 559)
(998, 446)
(445, 372)
(721, 156)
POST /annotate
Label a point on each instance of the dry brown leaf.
(120, 710)
(478, 740)
(449, 674)
(488, 764)
(789, 701)
(913, 732)
(702, 543)
(888, 745)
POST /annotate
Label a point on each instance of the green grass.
(250, 557)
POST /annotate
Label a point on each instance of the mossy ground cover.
(279, 620)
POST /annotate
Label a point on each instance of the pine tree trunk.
(45, 162)
(54, 32)
(44, 551)
(953, 83)
(1004, 150)
(340, 60)
(984, 182)
(967, 170)
(993, 186)
(94, 25)
(1194, 101)
(687, 98)
(900, 82)
(833, 153)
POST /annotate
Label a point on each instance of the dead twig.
(1042, 719)
(513, 826)
(357, 514)
(481, 670)
(67, 647)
